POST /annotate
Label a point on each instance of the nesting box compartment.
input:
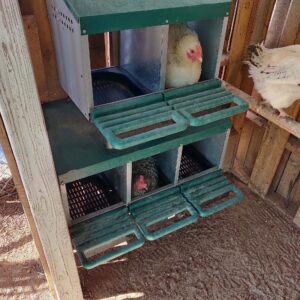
(142, 59)
(123, 114)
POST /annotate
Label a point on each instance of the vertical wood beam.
(55, 92)
(24, 201)
(24, 123)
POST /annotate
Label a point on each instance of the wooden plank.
(33, 42)
(289, 175)
(284, 159)
(291, 30)
(277, 23)
(24, 123)
(268, 158)
(295, 196)
(288, 124)
(97, 51)
(258, 134)
(293, 145)
(26, 7)
(55, 92)
(244, 143)
(24, 201)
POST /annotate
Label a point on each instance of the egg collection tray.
(150, 117)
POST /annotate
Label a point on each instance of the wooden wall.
(40, 42)
(262, 154)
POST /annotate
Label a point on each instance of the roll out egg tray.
(150, 117)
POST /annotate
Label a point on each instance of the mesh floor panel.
(190, 164)
(88, 195)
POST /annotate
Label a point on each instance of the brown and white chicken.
(276, 74)
(184, 62)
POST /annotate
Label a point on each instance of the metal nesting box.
(143, 28)
(123, 114)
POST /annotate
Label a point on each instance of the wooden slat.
(244, 144)
(24, 201)
(293, 145)
(24, 123)
(55, 92)
(289, 175)
(282, 165)
(97, 51)
(268, 158)
(26, 7)
(254, 146)
(33, 42)
(287, 124)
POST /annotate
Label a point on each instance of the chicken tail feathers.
(255, 55)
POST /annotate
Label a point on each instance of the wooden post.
(25, 204)
(22, 116)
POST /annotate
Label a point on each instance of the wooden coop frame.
(25, 140)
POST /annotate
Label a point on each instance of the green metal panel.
(208, 187)
(97, 16)
(79, 150)
(160, 207)
(102, 231)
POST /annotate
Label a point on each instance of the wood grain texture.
(248, 29)
(24, 201)
(33, 42)
(293, 145)
(24, 123)
(289, 176)
(55, 92)
(268, 158)
(262, 180)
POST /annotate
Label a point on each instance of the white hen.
(276, 74)
(184, 57)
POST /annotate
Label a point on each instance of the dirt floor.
(249, 251)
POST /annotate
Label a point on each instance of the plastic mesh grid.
(88, 195)
(190, 164)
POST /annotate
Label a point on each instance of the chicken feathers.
(276, 74)
(184, 59)
(144, 176)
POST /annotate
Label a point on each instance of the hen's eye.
(192, 51)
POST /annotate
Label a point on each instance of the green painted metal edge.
(208, 187)
(160, 207)
(149, 149)
(89, 234)
(123, 143)
(79, 151)
(96, 17)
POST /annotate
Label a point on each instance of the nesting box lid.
(97, 16)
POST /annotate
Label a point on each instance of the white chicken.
(276, 74)
(184, 57)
